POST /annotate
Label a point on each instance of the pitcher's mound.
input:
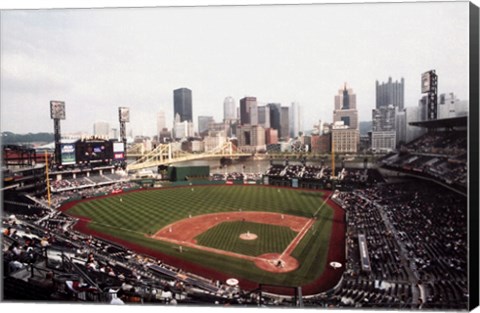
(248, 236)
(271, 262)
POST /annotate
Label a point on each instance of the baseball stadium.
(235, 228)
(285, 156)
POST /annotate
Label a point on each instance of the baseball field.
(257, 234)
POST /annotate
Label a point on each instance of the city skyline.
(52, 55)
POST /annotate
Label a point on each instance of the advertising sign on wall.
(68, 154)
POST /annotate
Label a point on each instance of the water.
(251, 165)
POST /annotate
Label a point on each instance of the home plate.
(272, 262)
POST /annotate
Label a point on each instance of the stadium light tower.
(57, 113)
(124, 117)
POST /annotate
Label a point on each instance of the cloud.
(99, 59)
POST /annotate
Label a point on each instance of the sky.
(97, 60)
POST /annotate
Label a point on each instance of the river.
(259, 166)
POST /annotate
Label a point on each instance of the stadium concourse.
(406, 240)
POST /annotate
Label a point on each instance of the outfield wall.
(183, 173)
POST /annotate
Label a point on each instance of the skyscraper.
(280, 120)
(345, 130)
(383, 118)
(284, 123)
(423, 108)
(275, 116)
(386, 132)
(295, 119)
(383, 129)
(346, 108)
(248, 111)
(264, 116)
(182, 104)
(390, 93)
(229, 109)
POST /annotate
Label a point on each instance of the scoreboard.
(118, 151)
(94, 152)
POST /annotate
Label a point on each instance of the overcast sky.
(99, 59)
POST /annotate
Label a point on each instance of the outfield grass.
(130, 216)
(225, 236)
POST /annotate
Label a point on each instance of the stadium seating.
(439, 155)
(415, 234)
(407, 226)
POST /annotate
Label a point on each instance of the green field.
(271, 238)
(132, 215)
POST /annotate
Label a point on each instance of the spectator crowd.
(440, 155)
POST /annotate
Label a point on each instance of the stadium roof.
(443, 123)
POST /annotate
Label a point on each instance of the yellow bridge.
(171, 153)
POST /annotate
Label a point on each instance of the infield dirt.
(184, 232)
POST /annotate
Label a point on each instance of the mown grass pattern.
(225, 236)
(130, 216)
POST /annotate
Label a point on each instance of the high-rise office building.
(248, 111)
(101, 129)
(279, 120)
(383, 129)
(383, 118)
(346, 108)
(423, 109)
(275, 116)
(285, 123)
(182, 104)
(229, 109)
(345, 130)
(264, 116)
(386, 132)
(390, 93)
(295, 119)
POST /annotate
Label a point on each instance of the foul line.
(297, 239)
(324, 202)
(303, 231)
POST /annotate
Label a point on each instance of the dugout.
(183, 173)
